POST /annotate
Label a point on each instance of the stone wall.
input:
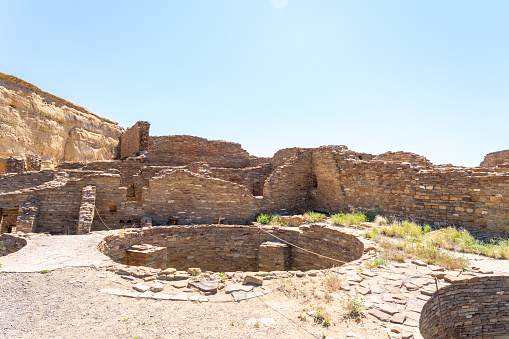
(468, 197)
(288, 187)
(10, 244)
(13, 182)
(178, 150)
(87, 209)
(178, 195)
(134, 140)
(36, 122)
(28, 213)
(403, 157)
(253, 178)
(495, 158)
(232, 248)
(472, 309)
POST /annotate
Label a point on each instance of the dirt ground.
(67, 304)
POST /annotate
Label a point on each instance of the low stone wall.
(477, 308)
(224, 248)
(10, 244)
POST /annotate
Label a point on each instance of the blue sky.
(429, 77)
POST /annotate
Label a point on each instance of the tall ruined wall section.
(179, 150)
(288, 187)
(184, 197)
(36, 122)
(495, 158)
(134, 140)
(437, 195)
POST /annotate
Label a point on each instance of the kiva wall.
(231, 248)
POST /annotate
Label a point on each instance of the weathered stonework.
(477, 308)
(26, 220)
(146, 255)
(10, 244)
(223, 248)
(134, 140)
(495, 158)
(274, 256)
(87, 208)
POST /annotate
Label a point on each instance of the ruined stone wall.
(253, 178)
(13, 182)
(33, 121)
(288, 187)
(179, 194)
(285, 154)
(403, 157)
(178, 150)
(223, 248)
(10, 244)
(60, 200)
(495, 158)
(257, 161)
(441, 196)
(134, 140)
(472, 309)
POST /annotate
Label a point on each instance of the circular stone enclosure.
(10, 244)
(477, 308)
(229, 248)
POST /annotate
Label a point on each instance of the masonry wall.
(13, 182)
(473, 309)
(403, 157)
(465, 197)
(179, 194)
(10, 244)
(134, 140)
(495, 158)
(288, 187)
(178, 150)
(253, 178)
(232, 248)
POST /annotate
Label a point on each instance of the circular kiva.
(229, 248)
(10, 244)
(476, 308)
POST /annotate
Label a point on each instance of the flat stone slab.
(146, 294)
(140, 287)
(179, 297)
(161, 296)
(220, 298)
(239, 295)
(206, 286)
(232, 288)
(379, 314)
(387, 309)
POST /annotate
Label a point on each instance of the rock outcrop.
(36, 122)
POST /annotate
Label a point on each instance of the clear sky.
(429, 77)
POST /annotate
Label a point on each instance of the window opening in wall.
(314, 182)
(122, 222)
(258, 188)
(129, 222)
(113, 209)
(172, 221)
(8, 218)
(130, 191)
(360, 157)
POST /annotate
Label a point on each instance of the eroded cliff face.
(36, 122)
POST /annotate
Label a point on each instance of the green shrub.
(314, 216)
(350, 218)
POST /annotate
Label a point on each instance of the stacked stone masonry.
(134, 140)
(495, 158)
(225, 248)
(26, 221)
(477, 308)
(10, 244)
(146, 255)
(87, 209)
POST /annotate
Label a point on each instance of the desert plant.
(354, 304)
(376, 262)
(314, 216)
(350, 218)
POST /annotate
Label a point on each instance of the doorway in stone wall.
(258, 188)
(8, 218)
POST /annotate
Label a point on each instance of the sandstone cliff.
(36, 122)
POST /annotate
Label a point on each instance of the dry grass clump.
(314, 216)
(350, 218)
(419, 241)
